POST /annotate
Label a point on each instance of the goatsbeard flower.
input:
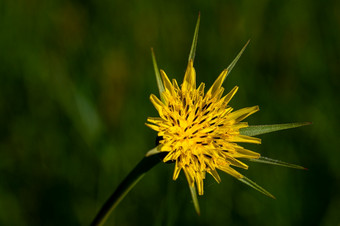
(200, 131)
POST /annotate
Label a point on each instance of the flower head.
(200, 131)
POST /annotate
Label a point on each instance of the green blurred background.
(75, 80)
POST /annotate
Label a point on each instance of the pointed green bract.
(267, 160)
(233, 63)
(154, 151)
(194, 41)
(262, 129)
(158, 76)
(257, 187)
(194, 199)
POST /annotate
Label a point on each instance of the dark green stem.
(125, 186)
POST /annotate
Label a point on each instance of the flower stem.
(125, 186)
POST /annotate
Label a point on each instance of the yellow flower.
(200, 131)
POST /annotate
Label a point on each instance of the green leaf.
(257, 187)
(194, 41)
(194, 199)
(262, 129)
(126, 185)
(158, 76)
(267, 160)
(233, 63)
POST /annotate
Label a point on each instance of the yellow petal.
(244, 153)
(243, 113)
(215, 175)
(217, 84)
(201, 89)
(169, 156)
(154, 127)
(236, 162)
(230, 171)
(175, 84)
(229, 96)
(156, 120)
(167, 83)
(189, 82)
(157, 103)
(240, 125)
(220, 93)
(199, 183)
(177, 170)
(245, 139)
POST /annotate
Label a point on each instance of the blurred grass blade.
(257, 187)
(276, 162)
(125, 186)
(233, 63)
(262, 129)
(194, 199)
(158, 76)
(194, 41)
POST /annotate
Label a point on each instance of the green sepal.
(257, 187)
(194, 41)
(233, 63)
(267, 160)
(158, 76)
(194, 199)
(154, 151)
(262, 129)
